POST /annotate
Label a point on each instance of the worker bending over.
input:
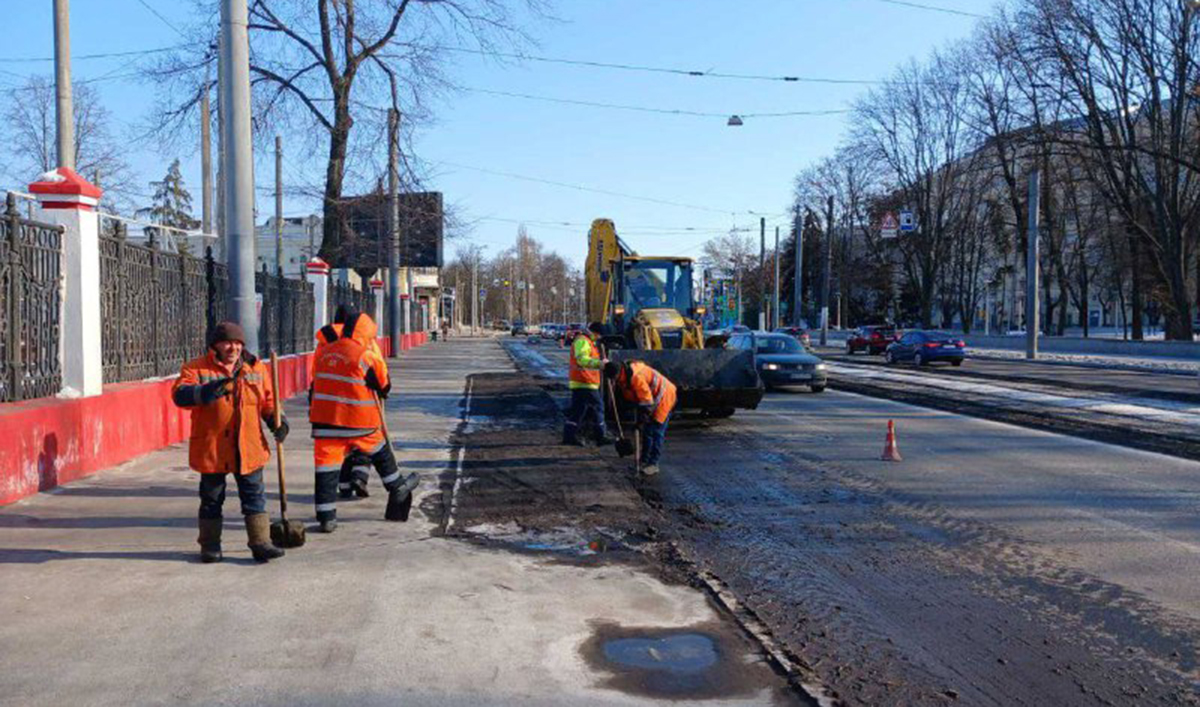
(356, 469)
(654, 397)
(586, 414)
(229, 392)
(350, 379)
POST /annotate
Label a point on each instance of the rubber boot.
(258, 529)
(328, 525)
(210, 540)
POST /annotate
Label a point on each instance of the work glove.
(280, 432)
(212, 390)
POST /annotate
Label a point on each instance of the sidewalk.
(105, 604)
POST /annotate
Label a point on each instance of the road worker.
(654, 396)
(230, 395)
(350, 379)
(356, 469)
(586, 414)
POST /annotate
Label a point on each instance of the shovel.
(624, 445)
(411, 483)
(284, 533)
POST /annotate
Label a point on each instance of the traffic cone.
(891, 453)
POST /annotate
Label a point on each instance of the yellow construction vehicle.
(649, 313)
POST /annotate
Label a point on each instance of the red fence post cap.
(316, 266)
(376, 284)
(63, 188)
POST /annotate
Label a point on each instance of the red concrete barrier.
(52, 441)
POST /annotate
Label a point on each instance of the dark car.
(872, 339)
(781, 360)
(922, 347)
(798, 333)
(519, 328)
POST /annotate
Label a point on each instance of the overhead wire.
(647, 109)
(931, 8)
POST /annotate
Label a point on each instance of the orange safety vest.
(649, 388)
(342, 404)
(579, 375)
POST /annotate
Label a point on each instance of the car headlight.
(820, 366)
(770, 366)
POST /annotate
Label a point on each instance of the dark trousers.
(356, 467)
(654, 433)
(384, 461)
(585, 416)
(250, 488)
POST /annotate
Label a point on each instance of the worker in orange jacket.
(229, 393)
(356, 469)
(348, 378)
(654, 395)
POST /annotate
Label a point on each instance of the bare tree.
(99, 155)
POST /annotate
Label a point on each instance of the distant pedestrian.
(229, 393)
(586, 415)
(654, 396)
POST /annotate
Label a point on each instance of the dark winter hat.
(343, 313)
(596, 328)
(226, 331)
(611, 370)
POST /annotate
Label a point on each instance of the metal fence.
(30, 299)
(157, 308)
(341, 292)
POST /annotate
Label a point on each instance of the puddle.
(559, 541)
(688, 664)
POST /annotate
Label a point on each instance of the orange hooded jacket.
(227, 433)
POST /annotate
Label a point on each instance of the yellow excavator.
(649, 313)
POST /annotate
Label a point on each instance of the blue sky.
(718, 176)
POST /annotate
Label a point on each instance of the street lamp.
(736, 120)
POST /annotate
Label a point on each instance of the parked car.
(798, 333)
(873, 339)
(923, 347)
(519, 328)
(782, 361)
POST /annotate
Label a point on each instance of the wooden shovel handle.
(278, 444)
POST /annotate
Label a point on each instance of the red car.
(872, 339)
(798, 333)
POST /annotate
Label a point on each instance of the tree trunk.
(335, 174)
(1179, 314)
(1135, 282)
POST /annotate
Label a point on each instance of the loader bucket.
(713, 380)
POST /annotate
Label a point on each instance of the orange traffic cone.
(891, 453)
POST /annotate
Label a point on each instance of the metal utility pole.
(475, 295)
(1031, 270)
(828, 272)
(239, 164)
(222, 245)
(798, 280)
(279, 206)
(393, 244)
(775, 321)
(206, 185)
(63, 105)
(762, 271)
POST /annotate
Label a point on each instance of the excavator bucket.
(715, 381)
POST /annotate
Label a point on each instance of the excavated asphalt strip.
(1162, 411)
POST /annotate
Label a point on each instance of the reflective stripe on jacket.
(347, 372)
(585, 364)
(650, 389)
(227, 433)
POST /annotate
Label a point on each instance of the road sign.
(908, 222)
(482, 293)
(889, 226)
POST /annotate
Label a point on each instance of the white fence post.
(377, 315)
(318, 275)
(68, 200)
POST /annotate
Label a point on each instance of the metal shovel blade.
(287, 533)
(625, 447)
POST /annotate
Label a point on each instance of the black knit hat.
(226, 331)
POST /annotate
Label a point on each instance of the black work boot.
(258, 530)
(210, 540)
(359, 486)
(328, 525)
(400, 499)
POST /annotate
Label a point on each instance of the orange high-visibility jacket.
(585, 364)
(648, 388)
(330, 333)
(227, 433)
(347, 373)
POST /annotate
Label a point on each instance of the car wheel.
(818, 389)
(919, 360)
(956, 362)
(889, 357)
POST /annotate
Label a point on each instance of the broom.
(284, 533)
(624, 445)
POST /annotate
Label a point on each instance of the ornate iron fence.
(344, 293)
(30, 299)
(158, 308)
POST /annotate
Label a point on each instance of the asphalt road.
(995, 565)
